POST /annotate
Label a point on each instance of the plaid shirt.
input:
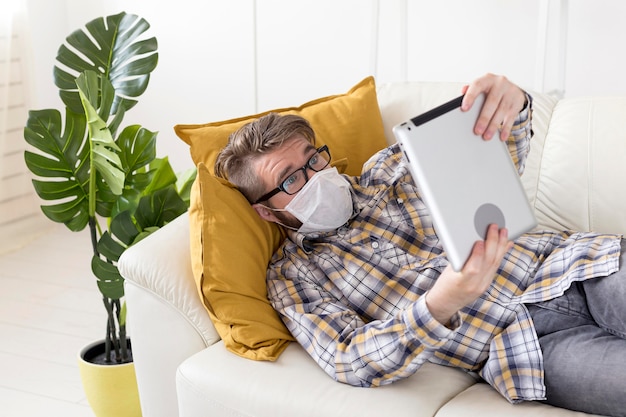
(354, 298)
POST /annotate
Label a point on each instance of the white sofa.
(575, 178)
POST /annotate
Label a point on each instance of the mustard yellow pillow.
(350, 124)
(231, 246)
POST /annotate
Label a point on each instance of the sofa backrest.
(575, 175)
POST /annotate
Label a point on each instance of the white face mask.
(323, 204)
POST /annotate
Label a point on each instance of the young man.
(364, 286)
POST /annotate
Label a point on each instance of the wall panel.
(595, 59)
(457, 40)
(311, 48)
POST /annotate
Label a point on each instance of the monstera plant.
(89, 170)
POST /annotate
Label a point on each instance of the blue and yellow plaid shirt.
(354, 298)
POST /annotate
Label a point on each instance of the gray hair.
(235, 161)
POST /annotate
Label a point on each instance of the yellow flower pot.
(111, 390)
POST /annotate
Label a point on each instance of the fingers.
(492, 243)
(504, 100)
(497, 245)
(487, 255)
(455, 290)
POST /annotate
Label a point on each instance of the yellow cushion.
(231, 246)
(350, 124)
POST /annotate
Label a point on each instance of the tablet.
(466, 182)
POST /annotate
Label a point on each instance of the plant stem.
(110, 328)
(110, 333)
(94, 237)
(114, 341)
(123, 357)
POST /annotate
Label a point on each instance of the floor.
(50, 308)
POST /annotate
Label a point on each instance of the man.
(364, 286)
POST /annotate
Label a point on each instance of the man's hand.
(455, 290)
(504, 100)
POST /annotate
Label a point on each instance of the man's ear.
(265, 213)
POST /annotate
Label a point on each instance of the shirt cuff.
(426, 328)
(528, 102)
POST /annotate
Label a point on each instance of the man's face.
(273, 168)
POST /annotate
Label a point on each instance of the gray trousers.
(583, 339)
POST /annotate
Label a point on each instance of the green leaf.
(112, 48)
(163, 175)
(126, 202)
(61, 164)
(113, 176)
(72, 213)
(110, 282)
(49, 190)
(159, 208)
(109, 247)
(47, 167)
(138, 147)
(185, 183)
(123, 228)
(104, 158)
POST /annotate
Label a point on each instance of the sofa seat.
(274, 389)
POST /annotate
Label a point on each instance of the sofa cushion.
(481, 400)
(350, 124)
(231, 246)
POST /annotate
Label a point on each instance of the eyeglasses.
(296, 180)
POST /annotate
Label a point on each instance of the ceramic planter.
(111, 390)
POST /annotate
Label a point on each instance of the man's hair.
(236, 161)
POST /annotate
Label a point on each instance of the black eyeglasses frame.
(307, 166)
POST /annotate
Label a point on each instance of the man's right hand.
(455, 290)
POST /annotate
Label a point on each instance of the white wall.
(222, 59)
(595, 58)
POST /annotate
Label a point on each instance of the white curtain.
(20, 217)
(6, 31)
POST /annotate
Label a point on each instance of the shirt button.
(400, 201)
(375, 245)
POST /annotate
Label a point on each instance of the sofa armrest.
(161, 264)
(166, 319)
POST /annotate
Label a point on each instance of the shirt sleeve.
(349, 349)
(518, 141)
